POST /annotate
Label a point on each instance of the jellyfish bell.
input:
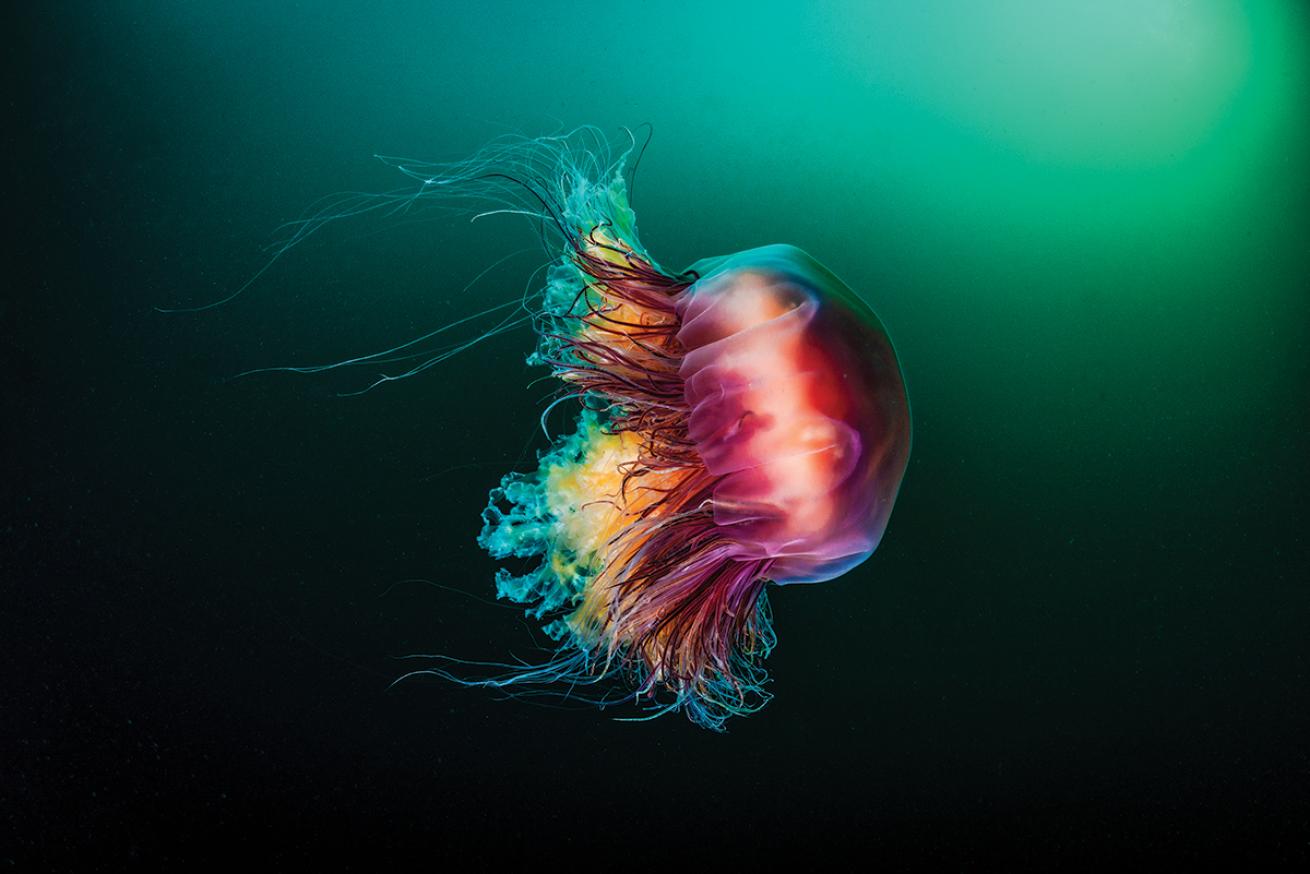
(798, 405)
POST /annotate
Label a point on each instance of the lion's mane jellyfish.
(739, 423)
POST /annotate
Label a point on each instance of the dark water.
(1085, 226)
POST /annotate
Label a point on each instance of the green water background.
(1085, 226)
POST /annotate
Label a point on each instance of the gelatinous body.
(797, 404)
(740, 423)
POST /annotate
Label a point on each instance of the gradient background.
(1084, 224)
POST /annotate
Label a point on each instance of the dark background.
(1085, 633)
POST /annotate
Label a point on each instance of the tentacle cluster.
(640, 582)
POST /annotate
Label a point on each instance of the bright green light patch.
(1114, 81)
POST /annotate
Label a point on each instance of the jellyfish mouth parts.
(648, 595)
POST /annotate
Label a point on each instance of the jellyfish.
(740, 423)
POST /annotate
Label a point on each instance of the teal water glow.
(1083, 224)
